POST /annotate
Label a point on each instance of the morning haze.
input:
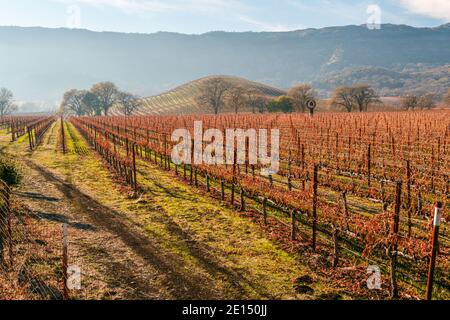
(39, 64)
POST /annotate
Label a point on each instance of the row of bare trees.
(218, 93)
(99, 100)
(414, 101)
(7, 105)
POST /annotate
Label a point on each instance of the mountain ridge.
(39, 64)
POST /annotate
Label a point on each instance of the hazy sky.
(198, 16)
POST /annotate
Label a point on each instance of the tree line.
(218, 93)
(99, 100)
(415, 101)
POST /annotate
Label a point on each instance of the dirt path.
(109, 230)
(102, 245)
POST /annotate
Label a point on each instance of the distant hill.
(40, 64)
(183, 99)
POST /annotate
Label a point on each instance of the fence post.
(242, 199)
(135, 186)
(65, 263)
(290, 172)
(293, 227)
(408, 197)
(9, 217)
(222, 189)
(30, 138)
(335, 246)
(265, 210)
(346, 211)
(369, 164)
(232, 193)
(315, 188)
(394, 245)
(13, 132)
(3, 221)
(63, 135)
(434, 250)
(166, 164)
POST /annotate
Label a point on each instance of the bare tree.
(255, 99)
(107, 95)
(363, 95)
(427, 101)
(302, 96)
(447, 98)
(127, 103)
(343, 97)
(261, 103)
(213, 93)
(7, 105)
(73, 101)
(92, 104)
(410, 102)
(236, 96)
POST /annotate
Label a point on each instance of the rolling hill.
(182, 100)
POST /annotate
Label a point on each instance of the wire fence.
(40, 259)
(29, 253)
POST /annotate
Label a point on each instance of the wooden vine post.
(408, 197)
(65, 264)
(290, 172)
(242, 199)
(434, 250)
(222, 189)
(394, 244)
(63, 136)
(314, 207)
(335, 246)
(192, 163)
(135, 185)
(369, 164)
(30, 138)
(208, 184)
(293, 226)
(265, 211)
